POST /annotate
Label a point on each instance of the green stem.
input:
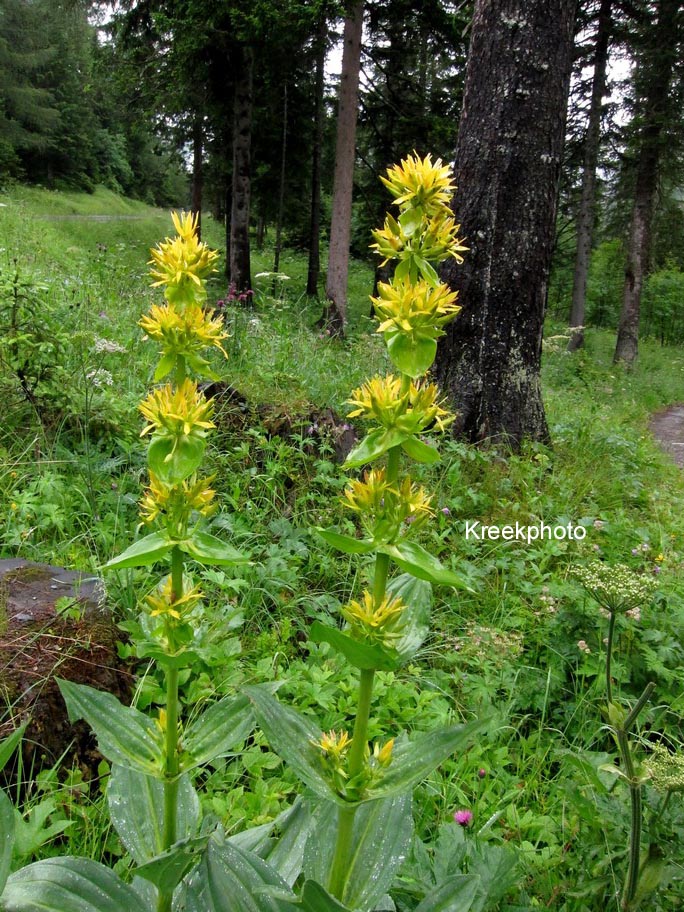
(357, 757)
(635, 828)
(359, 745)
(623, 733)
(609, 656)
(171, 739)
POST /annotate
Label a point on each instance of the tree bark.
(240, 266)
(587, 208)
(319, 120)
(508, 160)
(335, 313)
(197, 153)
(281, 189)
(657, 66)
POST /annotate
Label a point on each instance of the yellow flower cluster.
(166, 603)
(437, 241)
(183, 333)
(421, 183)
(177, 411)
(372, 622)
(384, 507)
(415, 308)
(182, 263)
(175, 504)
(414, 409)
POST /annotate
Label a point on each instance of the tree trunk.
(508, 160)
(335, 313)
(656, 76)
(587, 208)
(197, 150)
(319, 120)
(240, 267)
(281, 190)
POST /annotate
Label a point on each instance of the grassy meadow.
(523, 649)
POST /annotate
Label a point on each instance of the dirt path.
(668, 429)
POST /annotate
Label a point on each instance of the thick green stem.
(609, 656)
(357, 758)
(171, 739)
(359, 745)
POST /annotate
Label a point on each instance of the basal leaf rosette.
(182, 264)
(412, 315)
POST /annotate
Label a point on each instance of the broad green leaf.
(208, 549)
(411, 220)
(427, 271)
(420, 451)
(124, 735)
(317, 899)
(416, 594)
(456, 894)
(173, 459)
(292, 736)
(69, 885)
(136, 808)
(9, 744)
(286, 855)
(415, 560)
(217, 731)
(230, 879)
(142, 553)
(381, 840)
(412, 355)
(413, 760)
(6, 837)
(168, 869)
(374, 445)
(166, 364)
(360, 655)
(346, 543)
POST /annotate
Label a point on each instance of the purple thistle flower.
(481, 773)
(464, 817)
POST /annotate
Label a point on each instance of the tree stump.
(54, 624)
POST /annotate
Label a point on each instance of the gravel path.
(668, 429)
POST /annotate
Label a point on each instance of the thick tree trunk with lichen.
(587, 207)
(508, 160)
(335, 314)
(656, 74)
(240, 266)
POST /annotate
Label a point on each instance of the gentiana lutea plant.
(152, 802)
(340, 847)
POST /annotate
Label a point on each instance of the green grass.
(507, 651)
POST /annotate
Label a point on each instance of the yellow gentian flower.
(179, 411)
(372, 622)
(420, 183)
(413, 410)
(165, 603)
(185, 332)
(175, 504)
(183, 263)
(414, 308)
